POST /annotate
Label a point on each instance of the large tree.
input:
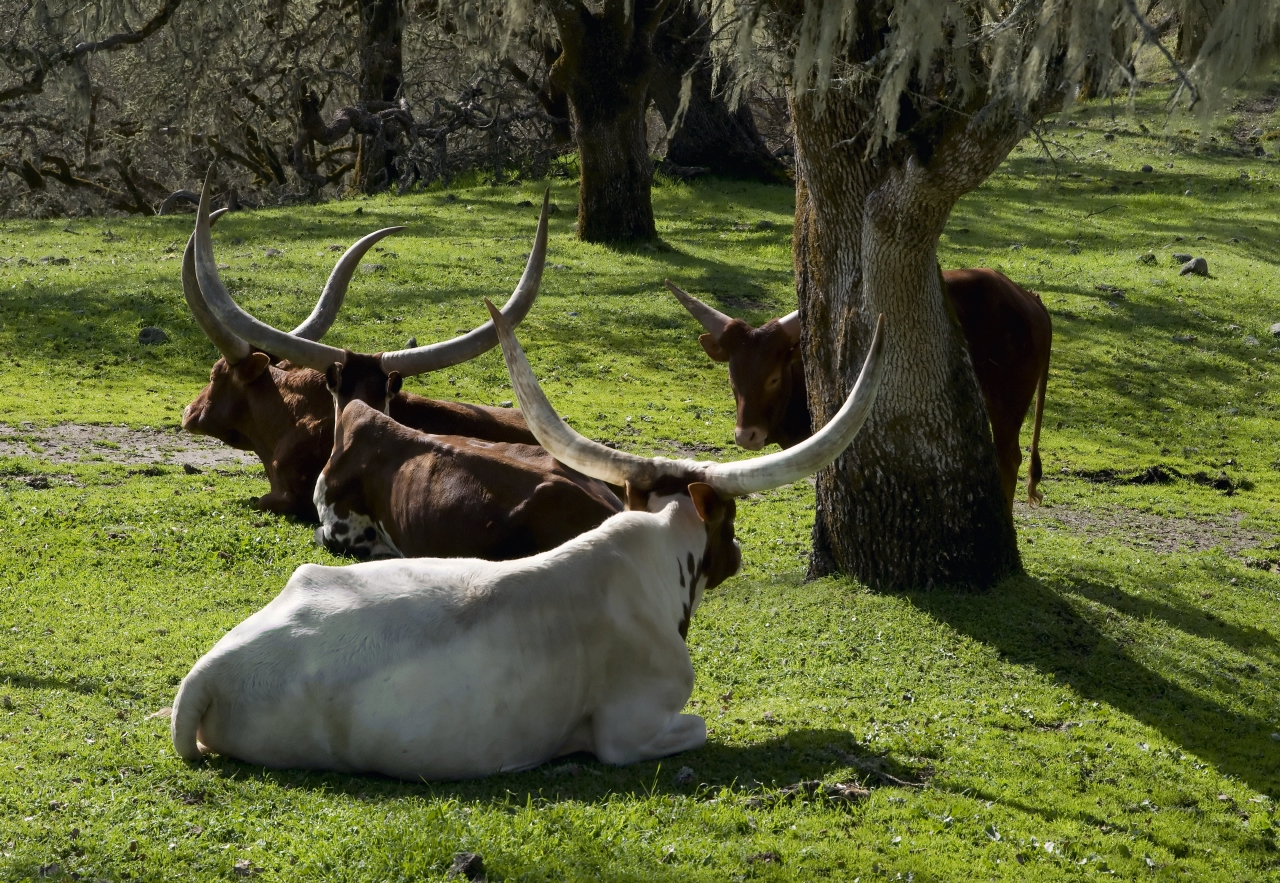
(900, 107)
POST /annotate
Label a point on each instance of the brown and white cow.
(283, 411)
(425, 668)
(1007, 330)
(392, 491)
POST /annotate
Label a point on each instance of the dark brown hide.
(1006, 328)
(452, 496)
(284, 414)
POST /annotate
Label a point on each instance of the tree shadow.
(1031, 623)
(766, 770)
(85, 686)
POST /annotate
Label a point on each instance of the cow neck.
(701, 554)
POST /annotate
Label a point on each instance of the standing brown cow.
(1007, 330)
(276, 406)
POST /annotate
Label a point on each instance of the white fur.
(382, 546)
(451, 668)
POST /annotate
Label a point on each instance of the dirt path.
(1142, 530)
(79, 442)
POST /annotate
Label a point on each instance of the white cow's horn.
(286, 346)
(435, 356)
(731, 479)
(233, 349)
(335, 290)
(710, 318)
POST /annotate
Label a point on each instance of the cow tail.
(1034, 472)
(193, 700)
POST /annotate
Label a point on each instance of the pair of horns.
(715, 321)
(305, 350)
(729, 479)
(233, 347)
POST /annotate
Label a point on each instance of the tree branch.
(35, 84)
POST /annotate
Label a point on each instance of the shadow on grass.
(761, 768)
(85, 686)
(1031, 623)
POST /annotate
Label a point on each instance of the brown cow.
(1007, 330)
(389, 490)
(283, 411)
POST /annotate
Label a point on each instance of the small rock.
(1275, 330)
(524, 203)
(6, 701)
(467, 864)
(372, 268)
(191, 470)
(58, 261)
(38, 482)
(411, 343)
(573, 313)
(1147, 169)
(553, 209)
(1187, 193)
(764, 224)
(1250, 340)
(336, 247)
(1148, 258)
(1275, 737)
(451, 197)
(1109, 136)
(684, 776)
(506, 404)
(245, 868)
(272, 252)
(1184, 338)
(152, 335)
(1197, 266)
(1182, 257)
(1244, 176)
(53, 870)
(359, 211)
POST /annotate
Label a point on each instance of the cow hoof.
(319, 537)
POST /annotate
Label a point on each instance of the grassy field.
(1115, 713)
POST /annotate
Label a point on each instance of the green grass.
(1118, 702)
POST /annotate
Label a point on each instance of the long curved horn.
(335, 290)
(791, 325)
(731, 479)
(233, 349)
(435, 356)
(296, 349)
(708, 317)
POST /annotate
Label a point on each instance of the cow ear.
(712, 348)
(705, 500)
(636, 499)
(394, 383)
(333, 376)
(250, 368)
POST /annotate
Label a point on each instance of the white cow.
(445, 668)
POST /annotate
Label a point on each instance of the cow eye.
(774, 380)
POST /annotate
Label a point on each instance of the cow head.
(375, 378)
(705, 490)
(250, 401)
(763, 363)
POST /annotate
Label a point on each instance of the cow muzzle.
(750, 437)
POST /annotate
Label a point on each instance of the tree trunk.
(604, 67)
(916, 500)
(381, 78)
(707, 133)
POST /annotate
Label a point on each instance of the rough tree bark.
(605, 66)
(916, 500)
(709, 135)
(381, 78)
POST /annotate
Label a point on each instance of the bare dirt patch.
(80, 442)
(1143, 530)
